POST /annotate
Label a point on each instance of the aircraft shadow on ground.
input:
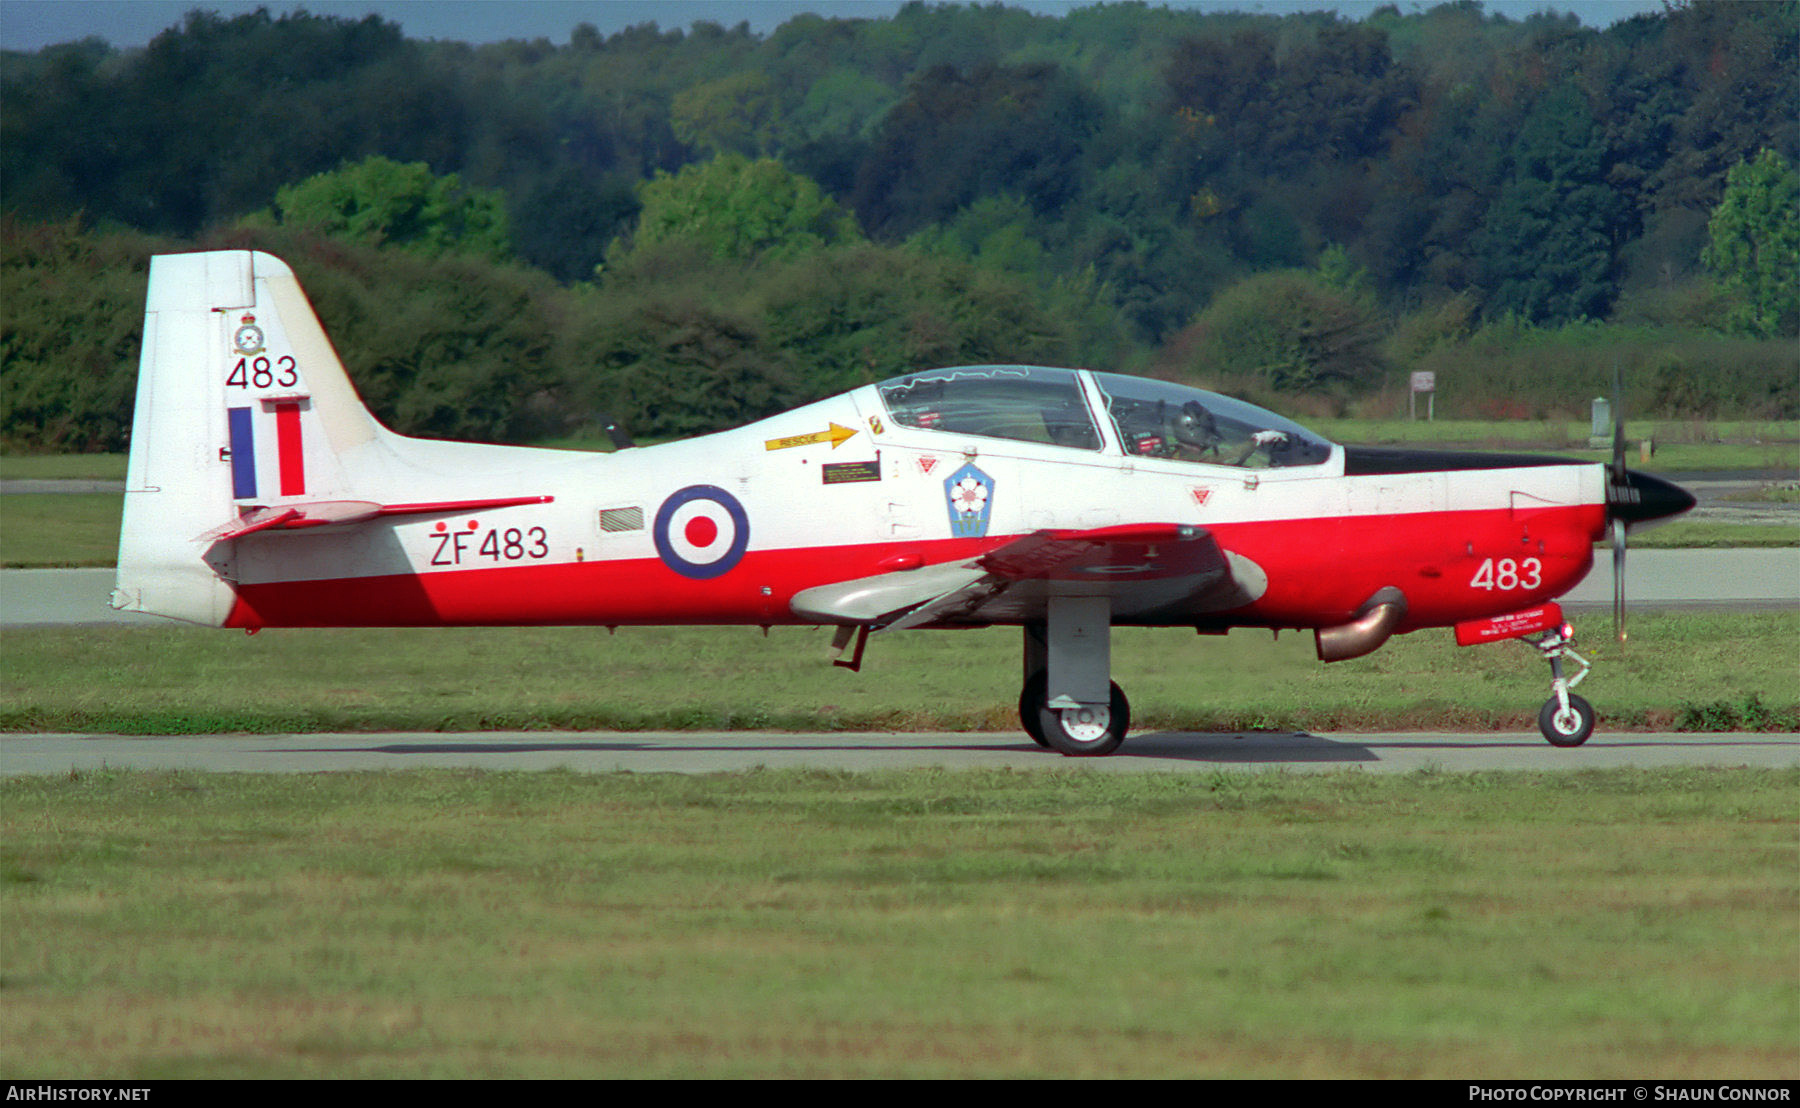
(1239, 747)
(1224, 748)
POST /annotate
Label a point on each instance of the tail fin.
(242, 406)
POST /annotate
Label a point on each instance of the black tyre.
(1076, 732)
(1028, 709)
(1570, 728)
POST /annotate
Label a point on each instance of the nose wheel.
(1568, 726)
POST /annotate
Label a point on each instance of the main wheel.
(1075, 732)
(1570, 728)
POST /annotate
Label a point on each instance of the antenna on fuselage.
(621, 439)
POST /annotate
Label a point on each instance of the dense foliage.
(689, 228)
(1755, 245)
(383, 203)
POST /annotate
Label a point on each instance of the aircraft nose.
(1642, 498)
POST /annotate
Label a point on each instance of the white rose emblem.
(969, 495)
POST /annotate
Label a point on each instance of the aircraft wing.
(1013, 581)
(1136, 552)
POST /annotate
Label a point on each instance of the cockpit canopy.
(1154, 419)
(1026, 403)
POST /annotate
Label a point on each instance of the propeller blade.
(1633, 499)
(1621, 480)
(1618, 412)
(1618, 545)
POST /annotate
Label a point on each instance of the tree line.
(689, 228)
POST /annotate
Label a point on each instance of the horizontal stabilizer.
(324, 513)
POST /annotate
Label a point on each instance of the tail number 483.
(1505, 574)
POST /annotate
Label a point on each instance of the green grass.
(1679, 670)
(1787, 493)
(1709, 446)
(44, 530)
(1707, 535)
(924, 924)
(40, 467)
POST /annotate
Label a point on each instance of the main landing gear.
(1069, 703)
(1565, 719)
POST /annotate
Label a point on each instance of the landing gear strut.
(1565, 719)
(1069, 703)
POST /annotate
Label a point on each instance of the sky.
(33, 24)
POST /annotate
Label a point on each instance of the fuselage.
(728, 528)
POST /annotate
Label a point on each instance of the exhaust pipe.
(1374, 623)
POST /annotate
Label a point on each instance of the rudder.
(242, 404)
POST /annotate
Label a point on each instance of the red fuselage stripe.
(1319, 572)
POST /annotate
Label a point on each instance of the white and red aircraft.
(261, 493)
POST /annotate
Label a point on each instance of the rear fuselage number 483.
(261, 373)
(1506, 574)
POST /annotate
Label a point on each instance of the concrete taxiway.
(697, 752)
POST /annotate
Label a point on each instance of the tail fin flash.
(242, 406)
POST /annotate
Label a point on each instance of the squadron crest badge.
(248, 338)
(970, 496)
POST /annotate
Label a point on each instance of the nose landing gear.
(1565, 719)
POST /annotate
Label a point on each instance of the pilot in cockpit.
(1190, 430)
(1191, 433)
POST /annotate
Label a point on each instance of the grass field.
(919, 924)
(1695, 446)
(52, 467)
(50, 530)
(1680, 670)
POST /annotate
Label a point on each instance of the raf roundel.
(701, 532)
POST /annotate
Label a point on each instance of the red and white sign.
(1513, 625)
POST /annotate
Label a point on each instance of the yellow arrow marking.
(835, 436)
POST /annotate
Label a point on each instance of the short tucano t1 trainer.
(262, 493)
